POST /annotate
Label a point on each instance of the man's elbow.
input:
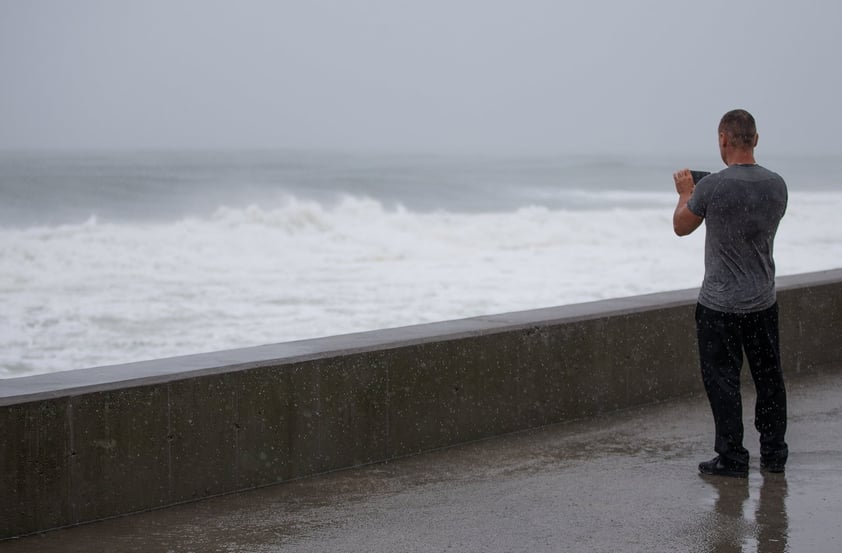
(680, 230)
(685, 221)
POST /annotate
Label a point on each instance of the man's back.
(742, 206)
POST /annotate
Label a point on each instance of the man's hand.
(684, 184)
(684, 221)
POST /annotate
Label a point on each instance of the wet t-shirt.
(742, 206)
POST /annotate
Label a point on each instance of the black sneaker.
(722, 467)
(772, 465)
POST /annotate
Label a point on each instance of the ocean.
(113, 257)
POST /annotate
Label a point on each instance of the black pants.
(722, 339)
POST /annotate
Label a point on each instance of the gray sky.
(521, 76)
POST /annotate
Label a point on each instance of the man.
(737, 309)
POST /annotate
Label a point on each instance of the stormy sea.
(112, 257)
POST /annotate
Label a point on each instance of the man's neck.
(741, 157)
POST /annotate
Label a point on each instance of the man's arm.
(684, 221)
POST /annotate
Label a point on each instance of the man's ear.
(756, 138)
(723, 140)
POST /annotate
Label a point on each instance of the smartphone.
(699, 175)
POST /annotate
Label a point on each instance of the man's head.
(737, 134)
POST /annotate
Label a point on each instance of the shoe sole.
(726, 473)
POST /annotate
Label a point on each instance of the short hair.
(739, 126)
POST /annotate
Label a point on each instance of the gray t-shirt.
(742, 206)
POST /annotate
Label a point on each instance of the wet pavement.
(623, 482)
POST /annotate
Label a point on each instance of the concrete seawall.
(84, 445)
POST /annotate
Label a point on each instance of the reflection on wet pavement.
(748, 515)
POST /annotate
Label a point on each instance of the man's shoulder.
(709, 183)
(768, 173)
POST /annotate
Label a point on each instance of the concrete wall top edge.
(817, 278)
(75, 382)
(156, 371)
